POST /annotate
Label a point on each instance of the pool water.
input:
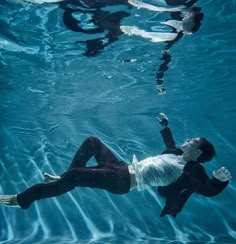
(63, 79)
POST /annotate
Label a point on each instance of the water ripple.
(53, 97)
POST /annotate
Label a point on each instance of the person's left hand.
(222, 174)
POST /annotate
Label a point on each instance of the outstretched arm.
(166, 132)
(211, 186)
(218, 182)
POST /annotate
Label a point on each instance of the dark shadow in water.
(91, 17)
(191, 24)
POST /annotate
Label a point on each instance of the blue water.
(54, 95)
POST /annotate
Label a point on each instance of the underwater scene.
(74, 69)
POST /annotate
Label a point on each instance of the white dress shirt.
(160, 170)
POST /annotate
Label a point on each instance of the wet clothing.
(110, 174)
(158, 171)
(113, 175)
(193, 180)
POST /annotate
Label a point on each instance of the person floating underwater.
(177, 173)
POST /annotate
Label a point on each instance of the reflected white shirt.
(160, 170)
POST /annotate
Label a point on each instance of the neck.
(189, 159)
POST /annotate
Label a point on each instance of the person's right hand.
(163, 120)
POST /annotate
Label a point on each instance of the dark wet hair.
(208, 151)
(198, 16)
(192, 21)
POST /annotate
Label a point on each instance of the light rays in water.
(83, 202)
(72, 99)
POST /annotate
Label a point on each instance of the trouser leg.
(115, 180)
(92, 146)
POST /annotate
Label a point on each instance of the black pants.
(110, 174)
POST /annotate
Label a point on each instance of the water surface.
(54, 95)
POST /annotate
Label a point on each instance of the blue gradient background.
(53, 97)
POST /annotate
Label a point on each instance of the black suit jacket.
(193, 180)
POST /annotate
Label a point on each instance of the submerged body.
(176, 173)
(161, 170)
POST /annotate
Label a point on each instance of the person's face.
(191, 149)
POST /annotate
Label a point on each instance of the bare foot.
(50, 178)
(9, 200)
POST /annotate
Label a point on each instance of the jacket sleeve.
(211, 187)
(193, 180)
(204, 185)
(168, 138)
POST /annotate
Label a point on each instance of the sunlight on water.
(61, 83)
